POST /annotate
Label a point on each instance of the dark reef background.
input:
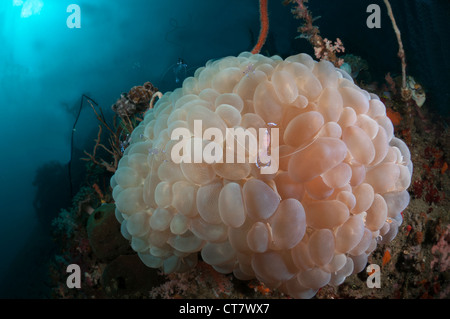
(45, 67)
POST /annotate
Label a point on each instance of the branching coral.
(135, 101)
(130, 108)
(406, 92)
(114, 148)
(323, 48)
(264, 26)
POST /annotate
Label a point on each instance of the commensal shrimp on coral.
(179, 70)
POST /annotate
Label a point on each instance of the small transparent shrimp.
(250, 69)
(179, 70)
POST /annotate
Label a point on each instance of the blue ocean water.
(46, 66)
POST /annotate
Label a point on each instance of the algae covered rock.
(104, 234)
(128, 275)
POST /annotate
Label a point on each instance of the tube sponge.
(338, 192)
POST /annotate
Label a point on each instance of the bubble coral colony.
(339, 191)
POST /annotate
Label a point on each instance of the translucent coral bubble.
(380, 143)
(130, 200)
(285, 86)
(163, 194)
(383, 177)
(271, 266)
(239, 274)
(232, 171)
(296, 290)
(178, 115)
(355, 99)
(209, 95)
(321, 246)
(287, 188)
(260, 200)
(208, 202)
(369, 125)
(302, 129)
(137, 224)
(338, 277)
(170, 172)
(124, 230)
(179, 224)
(208, 118)
(247, 85)
(404, 179)
(359, 144)
(392, 232)
(199, 173)
(229, 114)
(301, 256)
(302, 58)
(300, 102)
(401, 145)
(317, 189)
(358, 174)
(207, 231)
(396, 202)
(231, 205)
(326, 152)
(184, 195)
(266, 103)
(150, 183)
(238, 237)
(336, 263)
(376, 214)
(138, 159)
(127, 177)
(330, 129)
(217, 253)
(314, 278)
(150, 261)
(364, 195)
(161, 218)
(349, 234)
(330, 104)
(326, 214)
(252, 120)
(232, 99)
(288, 224)
(158, 238)
(185, 99)
(187, 242)
(386, 123)
(359, 263)
(363, 244)
(338, 176)
(376, 109)
(347, 198)
(226, 80)
(326, 73)
(258, 237)
(284, 153)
